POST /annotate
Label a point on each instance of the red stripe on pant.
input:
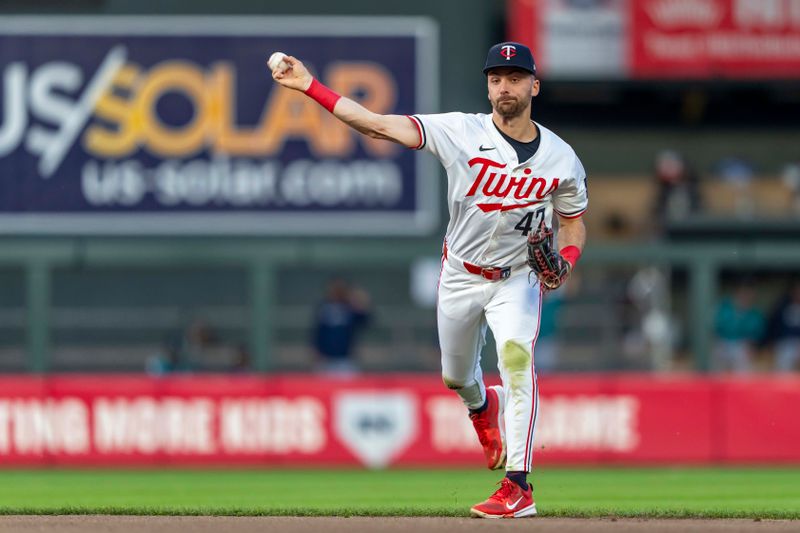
(534, 392)
(529, 459)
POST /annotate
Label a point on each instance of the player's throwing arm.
(291, 73)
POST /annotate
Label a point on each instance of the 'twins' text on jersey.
(494, 199)
(501, 185)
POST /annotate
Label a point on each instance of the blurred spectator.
(739, 173)
(791, 179)
(739, 325)
(337, 321)
(241, 360)
(657, 332)
(678, 192)
(784, 330)
(164, 362)
(185, 351)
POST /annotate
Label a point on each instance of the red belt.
(490, 273)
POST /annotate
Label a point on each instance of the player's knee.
(453, 383)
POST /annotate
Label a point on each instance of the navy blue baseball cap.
(510, 54)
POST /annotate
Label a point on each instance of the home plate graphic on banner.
(376, 427)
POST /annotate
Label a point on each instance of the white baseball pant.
(467, 304)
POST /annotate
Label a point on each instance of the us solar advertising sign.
(173, 125)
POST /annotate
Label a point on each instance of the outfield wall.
(379, 421)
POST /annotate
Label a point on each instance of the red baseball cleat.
(509, 501)
(490, 428)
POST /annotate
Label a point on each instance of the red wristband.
(571, 254)
(323, 95)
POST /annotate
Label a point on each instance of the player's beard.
(510, 107)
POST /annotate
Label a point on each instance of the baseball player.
(507, 175)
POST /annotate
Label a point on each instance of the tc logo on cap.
(508, 51)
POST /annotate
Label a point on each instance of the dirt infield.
(213, 524)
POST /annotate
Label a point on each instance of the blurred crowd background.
(693, 261)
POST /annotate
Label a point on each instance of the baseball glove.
(550, 268)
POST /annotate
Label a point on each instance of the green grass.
(656, 492)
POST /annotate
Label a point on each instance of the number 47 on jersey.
(526, 223)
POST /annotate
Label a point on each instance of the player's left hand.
(550, 268)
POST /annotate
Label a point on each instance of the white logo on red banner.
(274, 425)
(584, 423)
(35, 426)
(566, 424)
(376, 427)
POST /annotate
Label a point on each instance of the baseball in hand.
(276, 61)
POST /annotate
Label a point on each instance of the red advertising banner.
(715, 38)
(658, 39)
(404, 420)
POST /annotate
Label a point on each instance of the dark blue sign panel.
(171, 125)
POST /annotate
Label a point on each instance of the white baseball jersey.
(494, 199)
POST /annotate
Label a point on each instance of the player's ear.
(535, 88)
